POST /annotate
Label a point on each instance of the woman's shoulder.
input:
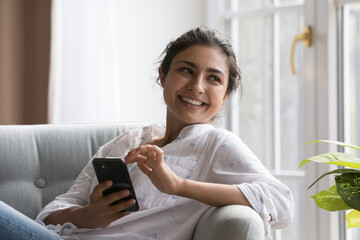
(222, 134)
(229, 147)
(224, 140)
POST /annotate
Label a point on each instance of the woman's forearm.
(213, 194)
(99, 213)
(75, 215)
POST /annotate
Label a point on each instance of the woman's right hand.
(99, 213)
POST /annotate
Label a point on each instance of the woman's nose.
(197, 84)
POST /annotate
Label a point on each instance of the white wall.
(105, 53)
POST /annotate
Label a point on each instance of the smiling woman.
(184, 168)
(178, 171)
(195, 85)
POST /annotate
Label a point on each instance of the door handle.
(304, 36)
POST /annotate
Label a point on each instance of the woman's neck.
(173, 129)
(171, 132)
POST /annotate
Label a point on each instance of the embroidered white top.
(201, 152)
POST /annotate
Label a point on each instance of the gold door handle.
(306, 37)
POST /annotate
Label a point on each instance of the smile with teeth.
(191, 101)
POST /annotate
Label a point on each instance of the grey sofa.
(39, 162)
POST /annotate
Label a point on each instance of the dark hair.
(207, 37)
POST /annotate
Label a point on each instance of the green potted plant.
(345, 194)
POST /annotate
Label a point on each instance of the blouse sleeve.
(234, 163)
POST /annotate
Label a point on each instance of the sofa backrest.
(39, 162)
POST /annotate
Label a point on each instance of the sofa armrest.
(230, 222)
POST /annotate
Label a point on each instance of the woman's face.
(195, 85)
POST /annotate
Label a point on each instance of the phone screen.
(115, 169)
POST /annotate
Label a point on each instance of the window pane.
(283, 2)
(254, 46)
(289, 26)
(227, 4)
(242, 4)
(249, 3)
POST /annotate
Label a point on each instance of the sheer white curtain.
(104, 54)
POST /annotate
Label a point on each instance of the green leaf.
(330, 200)
(337, 143)
(337, 171)
(348, 188)
(335, 158)
(353, 219)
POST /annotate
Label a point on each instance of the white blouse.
(201, 152)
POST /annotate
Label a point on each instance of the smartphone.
(115, 169)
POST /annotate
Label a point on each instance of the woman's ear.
(225, 97)
(161, 76)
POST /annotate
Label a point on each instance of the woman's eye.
(186, 70)
(215, 78)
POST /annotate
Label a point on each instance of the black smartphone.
(115, 169)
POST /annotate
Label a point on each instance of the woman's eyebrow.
(187, 63)
(212, 70)
(215, 70)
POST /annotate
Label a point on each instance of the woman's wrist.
(75, 215)
(181, 187)
(80, 216)
(184, 188)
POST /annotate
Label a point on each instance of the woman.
(182, 169)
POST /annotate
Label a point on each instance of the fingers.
(153, 147)
(101, 210)
(109, 199)
(155, 153)
(134, 154)
(105, 202)
(97, 195)
(144, 153)
(97, 192)
(120, 207)
(145, 169)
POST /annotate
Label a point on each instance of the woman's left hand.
(150, 159)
